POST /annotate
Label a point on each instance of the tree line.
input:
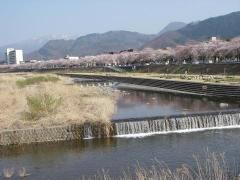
(218, 51)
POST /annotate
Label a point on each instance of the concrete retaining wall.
(40, 135)
(184, 87)
(54, 134)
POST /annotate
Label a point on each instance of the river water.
(136, 104)
(73, 160)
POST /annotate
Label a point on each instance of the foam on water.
(186, 124)
(142, 135)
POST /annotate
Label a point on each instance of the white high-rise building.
(14, 56)
(214, 39)
(8, 50)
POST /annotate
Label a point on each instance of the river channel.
(73, 160)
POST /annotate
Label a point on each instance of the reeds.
(41, 105)
(50, 103)
(23, 172)
(8, 173)
(211, 166)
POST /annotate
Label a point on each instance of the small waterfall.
(88, 134)
(96, 130)
(178, 123)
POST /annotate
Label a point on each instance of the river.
(73, 160)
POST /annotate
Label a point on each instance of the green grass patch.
(41, 105)
(36, 80)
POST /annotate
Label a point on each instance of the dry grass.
(23, 172)
(50, 103)
(41, 105)
(212, 166)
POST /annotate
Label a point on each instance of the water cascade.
(87, 131)
(177, 123)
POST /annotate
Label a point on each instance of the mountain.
(173, 26)
(52, 49)
(225, 27)
(30, 45)
(92, 44)
(27, 46)
(169, 39)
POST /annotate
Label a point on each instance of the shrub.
(36, 80)
(40, 106)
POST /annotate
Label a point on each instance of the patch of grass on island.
(41, 105)
(36, 80)
(55, 101)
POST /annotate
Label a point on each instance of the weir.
(177, 123)
(154, 125)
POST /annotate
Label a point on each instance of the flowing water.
(177, 124)
(73, 160)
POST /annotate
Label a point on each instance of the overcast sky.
(25, 19)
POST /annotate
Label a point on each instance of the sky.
(26, 19)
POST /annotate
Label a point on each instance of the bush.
(36, 80)
(41, 106)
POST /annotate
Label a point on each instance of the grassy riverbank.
(209, 79)
(45, 100)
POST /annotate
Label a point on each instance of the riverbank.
(197, 78)
(194, 69)
(191, 87)
(47, 100)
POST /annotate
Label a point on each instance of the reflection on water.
(74, 159)
(133, 104)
